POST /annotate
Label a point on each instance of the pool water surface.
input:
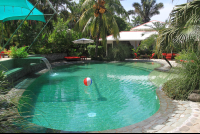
(120, 95)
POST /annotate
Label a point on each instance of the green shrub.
(189, 78)
(44, 50)
(184, 55)
(91, 51)
(119, 52)
(3, 82)
(18, 52)
(175, 90)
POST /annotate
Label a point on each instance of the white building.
(132, 37)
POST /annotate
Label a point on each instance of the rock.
(194, 97)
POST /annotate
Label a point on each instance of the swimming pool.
(120, 95)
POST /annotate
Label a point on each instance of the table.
(83, 57)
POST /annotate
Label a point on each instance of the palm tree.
(98, 19)
(137, 21)
(146, 9)
(184, 27)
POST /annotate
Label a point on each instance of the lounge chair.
(164, 54)
(136, 56)
(152, 56)
(72, 58)
(169, 56)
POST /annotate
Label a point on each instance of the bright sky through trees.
(164, 13)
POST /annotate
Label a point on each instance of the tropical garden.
(96, 19)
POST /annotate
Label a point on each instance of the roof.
(132, 35)
(145, 27)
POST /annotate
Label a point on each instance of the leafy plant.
(91, 51)
(189, 79)
(44, 50)
(18, 52)
(184, 55)
(3, 82)
(119, 52)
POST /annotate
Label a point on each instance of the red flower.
(192, 61)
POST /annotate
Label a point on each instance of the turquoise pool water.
(120, 95)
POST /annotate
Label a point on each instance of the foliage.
(119, 52)
(18, 52)
(44, 50)
(146, 9)
(98, 18)
(148, 43)
(60, 40)
(3, 82)
(184, 55)
(91, 51)
(189, 79)
(122, 25)
(174, 90)
(137, 51)
(184, 26)
(136, 21)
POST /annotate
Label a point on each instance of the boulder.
(194, 97)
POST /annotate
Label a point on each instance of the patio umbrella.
(12, 10)
(18, 13)
(83, 41)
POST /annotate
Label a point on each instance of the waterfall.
(48, 65)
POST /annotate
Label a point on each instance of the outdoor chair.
(169, 56)
(72, 58)
(152, 56)
(2, 54)
(136, 56)
(83, 57)
(164, 54)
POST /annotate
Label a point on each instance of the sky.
(164, 12)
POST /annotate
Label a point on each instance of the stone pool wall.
(54, 56)
(21, 73)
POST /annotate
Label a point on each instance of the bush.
(3, 82)
(189, 78)
(184, 55)
(119, 52)
(175, 89)
(91, 51)
(18, 52)
(44, 50)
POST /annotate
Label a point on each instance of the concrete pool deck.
(173, 116)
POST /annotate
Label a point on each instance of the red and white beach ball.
(87, 81)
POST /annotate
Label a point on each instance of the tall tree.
(98, 18)
(136, 21)
(184, 27)
(146, 9)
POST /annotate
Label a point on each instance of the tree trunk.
(98, 36)
(167, 61)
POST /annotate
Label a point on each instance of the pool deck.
(172, 117)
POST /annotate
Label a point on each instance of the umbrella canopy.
(15, 3)
(83, 41)
(19, 13)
